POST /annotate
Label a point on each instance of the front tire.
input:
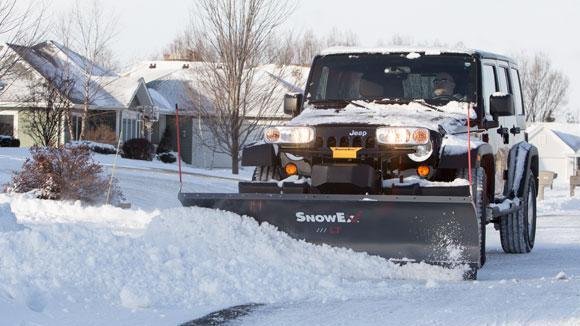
(480, 201)
(518, 230)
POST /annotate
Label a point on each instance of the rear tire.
(266, 173)
(518, 230)
(480, 201)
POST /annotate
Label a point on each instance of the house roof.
(568, 133)
(179, 82)
(55, 61)
(160, 84)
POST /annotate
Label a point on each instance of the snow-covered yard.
(161, 264)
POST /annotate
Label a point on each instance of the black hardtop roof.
(472, 52)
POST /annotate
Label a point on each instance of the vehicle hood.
(450, 117)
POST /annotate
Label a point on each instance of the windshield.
(401, 77)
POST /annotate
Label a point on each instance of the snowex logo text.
(338, 217)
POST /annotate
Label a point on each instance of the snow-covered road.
(161, 264)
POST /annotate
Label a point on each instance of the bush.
(101, 134)
(96, 147)
(138, 149)
(9, 141)
(167, 157)
(64, 173)
(165, 143)
(15, 142)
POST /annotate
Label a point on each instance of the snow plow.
(407, 155)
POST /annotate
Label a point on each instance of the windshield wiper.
(360, 105)
(432, 107)
(407, 101)
(343, 103)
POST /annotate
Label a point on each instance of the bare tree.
(20, 25)
(49, 102)
(186, 46)
(307, 47)
(237, 32)
(545, 88)
(300, 48)
(90, 30)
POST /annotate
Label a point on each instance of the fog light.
(291, 169)
(423, 171)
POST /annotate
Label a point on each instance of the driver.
(444, 86)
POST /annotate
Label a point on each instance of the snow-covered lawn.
(161, 264)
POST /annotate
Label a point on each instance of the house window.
(131, 129)
(7, 125)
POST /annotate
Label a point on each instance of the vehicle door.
(495, 78)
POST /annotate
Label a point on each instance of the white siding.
(555, 155)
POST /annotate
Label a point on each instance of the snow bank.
(8, 220)
(186, 257)
(34, 211)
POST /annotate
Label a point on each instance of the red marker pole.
(469, 146)
(178, 145)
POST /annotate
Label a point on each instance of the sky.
(505, 26)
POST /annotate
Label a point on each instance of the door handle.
(504, 132)
(515, 130)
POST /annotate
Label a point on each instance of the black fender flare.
(259, 154)
(458, 160)
(523, 159)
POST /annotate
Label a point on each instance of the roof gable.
(52, 60)
(571, 140)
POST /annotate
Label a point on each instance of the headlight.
(402, 136)
(289, 135)
(422, 153)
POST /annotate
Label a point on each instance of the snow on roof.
(123, 88)
(166, 82)
(395, 49)
(53, 60)
(159, 100)
(571, 140)
(178, 82)
(569, 133)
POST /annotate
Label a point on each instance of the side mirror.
(293, 103)
(501, 105)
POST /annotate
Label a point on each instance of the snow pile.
(558, 201)
(33, 211)
(187, 257)
(8, 220)
(457, 144)
(408, 181)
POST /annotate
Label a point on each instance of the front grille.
(342, 137)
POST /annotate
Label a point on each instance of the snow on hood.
(453, 115)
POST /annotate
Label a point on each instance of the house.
(178, 82)
(137, 103)
(109, 106)
(559, 148)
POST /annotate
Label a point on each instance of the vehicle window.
(392, 76)
(503, 80)
(518, 104)
(489, 85)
